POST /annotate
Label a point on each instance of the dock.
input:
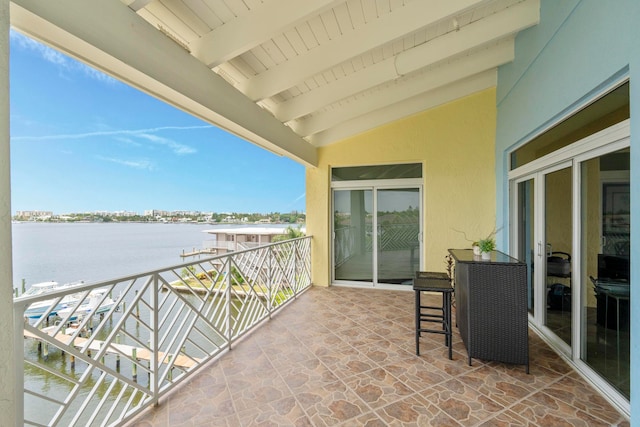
(216, 291)
(196, 252)
(180, 361)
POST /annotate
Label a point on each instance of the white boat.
(37, 309)
(91, 306)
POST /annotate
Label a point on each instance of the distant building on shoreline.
(33, 215)
(224, 240)
(155, 215)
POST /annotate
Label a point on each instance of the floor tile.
(378, 387)
(346, 357)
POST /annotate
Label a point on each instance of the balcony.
(258, 345)
(342, 356)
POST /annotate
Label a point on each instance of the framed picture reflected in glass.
(616, 219)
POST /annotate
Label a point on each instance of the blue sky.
(82, 141)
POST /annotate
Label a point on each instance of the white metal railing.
(115, 347)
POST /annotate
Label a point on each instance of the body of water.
(69, 252)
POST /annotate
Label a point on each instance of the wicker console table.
(491, 306)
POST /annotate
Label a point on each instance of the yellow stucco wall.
(456, 144)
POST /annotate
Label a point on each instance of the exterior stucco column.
(634, 96)
(7, 366)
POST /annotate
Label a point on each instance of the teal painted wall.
(634, 66)
(579, 47)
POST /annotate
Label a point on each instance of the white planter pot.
(486, 255)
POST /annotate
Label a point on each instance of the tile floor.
(346, 357)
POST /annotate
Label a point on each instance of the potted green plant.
(482, 247)
(486, 246)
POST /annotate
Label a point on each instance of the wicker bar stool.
(426, 281)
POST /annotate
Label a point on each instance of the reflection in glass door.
(526, 237)
(558, 242)
(398, 224)
(605, 267)
(543, 228)
(353, 244)
(391, 254)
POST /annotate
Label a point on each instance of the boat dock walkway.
(216, 291)
(196, 252)
(139, 353)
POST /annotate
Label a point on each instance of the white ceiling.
(289, 75)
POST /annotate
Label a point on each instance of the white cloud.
(176, 147)
(62, 61)
(125, 135)
(136, 164)
(127, 141)
(297, 199)
(115, 132)
(45, 52)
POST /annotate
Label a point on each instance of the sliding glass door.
(543, 219)
(571, 224)
(557, 241)
(605, 260)
(398, 236)
(525, 220)
(391, 254)
(353, 237)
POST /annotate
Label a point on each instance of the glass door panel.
(526, 237)
(398, 234)
(353, 237)
(605, 236)
(558, 242)
(579, 277)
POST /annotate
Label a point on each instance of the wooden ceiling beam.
(248, 31)
(136, 5)
(502, 24)
(400, 90)
(391, 26)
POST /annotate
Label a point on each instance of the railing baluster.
(270, 281)
(295, 269)
(153, 321)
(228, 296)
